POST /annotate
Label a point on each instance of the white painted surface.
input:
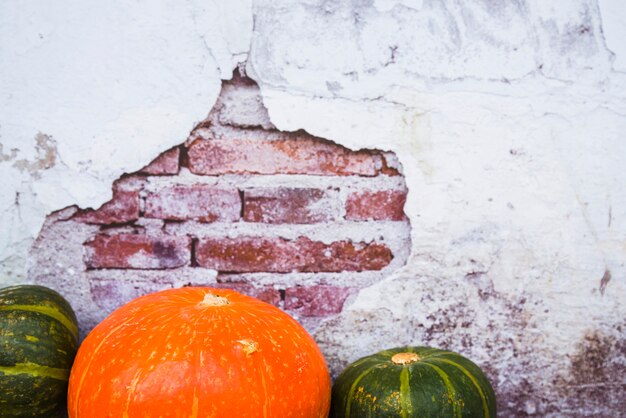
(508, 117)
(613, 15)
(509, 122)
(111, 84)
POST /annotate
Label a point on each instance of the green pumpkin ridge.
(411, 382)
(38, 342)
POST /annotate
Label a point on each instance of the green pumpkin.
(407, 382)
(38, 342)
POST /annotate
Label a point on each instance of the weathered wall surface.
(84, 84)
(294, 220)
(508, 120)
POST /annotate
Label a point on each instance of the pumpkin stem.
(214, 300)
(405, 358)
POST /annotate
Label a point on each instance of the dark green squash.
(407, 382)
(38, 342)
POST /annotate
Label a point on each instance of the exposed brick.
(129, 183)
(315, 301)
(134, 251)
(122, 208)
(285, 205)
(391, 164)
(258, 254)
(110, 294)
(265, 293)
(378, 206)
(303, 155)
(198, 202)
(165, 164)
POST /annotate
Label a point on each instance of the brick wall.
(295, 220)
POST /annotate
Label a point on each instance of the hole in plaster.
(295, 220)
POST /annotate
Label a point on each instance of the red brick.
(315, 301)
(391, 165)
(258, 254)
(284, 205)
(134, 251)
(109, 294)
(378, 206)
(286, 156)
(195, 202)
(165, 164)
(122, 208)
(265, 293)
(129, 183)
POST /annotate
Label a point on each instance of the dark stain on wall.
(595, 381)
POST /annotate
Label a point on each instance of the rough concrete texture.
(508, 119)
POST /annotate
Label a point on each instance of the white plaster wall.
(508, 117)
(91, 89)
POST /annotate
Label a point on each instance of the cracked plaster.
(508, 120)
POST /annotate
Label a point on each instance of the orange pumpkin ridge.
(196, 352)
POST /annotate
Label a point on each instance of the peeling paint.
(46, 158)
(508, 121)
(7, 157)
(153, 221)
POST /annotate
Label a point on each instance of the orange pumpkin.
(199, 352)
